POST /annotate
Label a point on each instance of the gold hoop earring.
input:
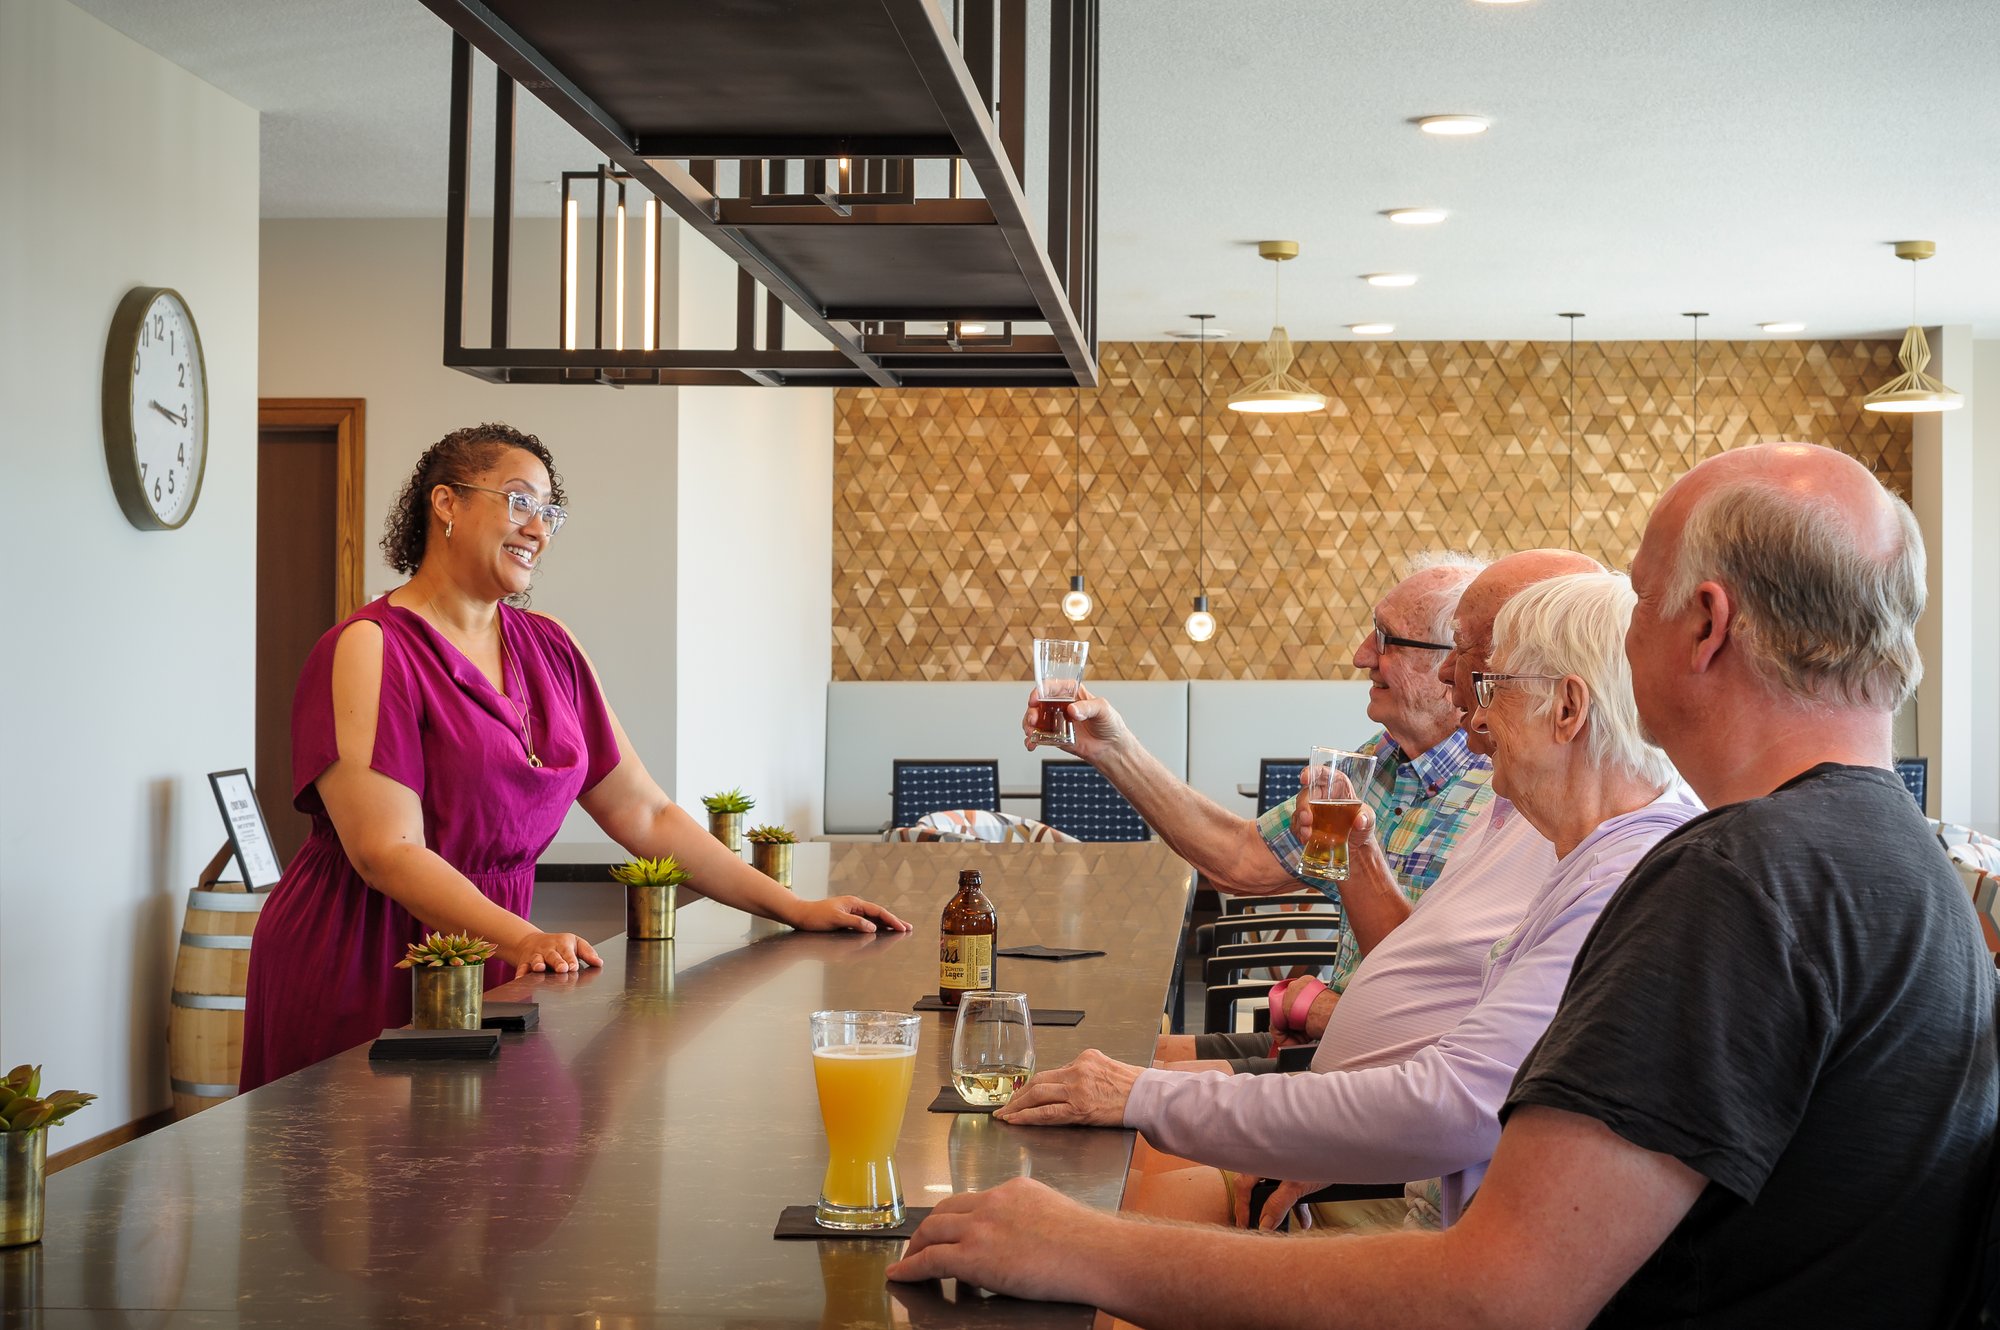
(447, 530)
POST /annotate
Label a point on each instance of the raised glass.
(862, 1065)
(1334, 782)
(1058, 678)
(993, 1048)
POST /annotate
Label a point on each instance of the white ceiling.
(1751, 158)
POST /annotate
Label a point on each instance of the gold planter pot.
(728, 828)
(23, 1185)
(773, 859)
(649, 913)
(447, 997)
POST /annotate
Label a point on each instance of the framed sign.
(247, 835)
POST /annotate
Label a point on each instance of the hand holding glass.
(993, 1048)
(1334, 780)
(862, 1064)
(1058, 678)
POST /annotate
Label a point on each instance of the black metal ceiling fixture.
(905, 243)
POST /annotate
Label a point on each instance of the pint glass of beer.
(862, 1064)
(1334, 781)
(1058, 676)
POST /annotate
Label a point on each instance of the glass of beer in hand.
(1333, 783)
(862, 1064)
(1058, 677)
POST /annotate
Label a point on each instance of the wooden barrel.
(205, 1027)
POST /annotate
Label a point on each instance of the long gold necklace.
(521, 708)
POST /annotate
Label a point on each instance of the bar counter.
(624, 1164)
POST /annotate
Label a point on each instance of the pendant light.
(1913, 390)
(1694, 389)
(1200, 623)
(1076, 605)
(1572, 316)
(1278, 391)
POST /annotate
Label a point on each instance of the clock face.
(156, 409)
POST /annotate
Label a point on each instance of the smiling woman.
(439, 737)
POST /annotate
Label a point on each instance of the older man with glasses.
(1428, 785)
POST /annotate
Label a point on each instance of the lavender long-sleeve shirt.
(1436, 1110)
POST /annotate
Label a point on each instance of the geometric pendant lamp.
(1913, 390)
(1278, 390)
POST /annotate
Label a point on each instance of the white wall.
(127, 678)
(356, 309)
(1985, 701)
(756, 571)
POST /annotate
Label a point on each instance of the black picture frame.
(249, 837)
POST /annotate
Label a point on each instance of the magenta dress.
(322, 971)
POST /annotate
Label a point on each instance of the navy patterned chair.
(1078, 801)
(1277, 781)
(928, 785)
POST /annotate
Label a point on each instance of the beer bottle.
(967, 934)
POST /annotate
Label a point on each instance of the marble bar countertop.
(623, 1165)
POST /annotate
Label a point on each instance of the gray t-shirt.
(1790, 995)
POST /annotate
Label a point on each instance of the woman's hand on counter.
(535, 953)
(846, 912)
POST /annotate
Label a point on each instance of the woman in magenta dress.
(439, 736)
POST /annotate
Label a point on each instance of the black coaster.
(417, 1045)
(950, 1101)
(515, 1016)
(1038, 952)
(796, 1221)
(1036, 1015)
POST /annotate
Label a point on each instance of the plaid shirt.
(1422, 806)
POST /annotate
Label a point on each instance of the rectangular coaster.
(415, 1045)
(950, 1101)
(1038, 952)
(1036, 1015)
(514, 1016)
(796, 1221)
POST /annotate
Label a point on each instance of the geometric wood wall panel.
(952, 530)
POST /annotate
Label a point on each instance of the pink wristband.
(1290, 1000)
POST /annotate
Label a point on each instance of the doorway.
(309, 571)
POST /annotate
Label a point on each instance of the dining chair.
(919, 786)
(1079, 801)
(1277, 781)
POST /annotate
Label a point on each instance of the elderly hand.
(846, 912)
(1021, 1239)
(1360, 834)
(535, 953)
(1282, 1199)
(1097, 723)
(1090, 1092)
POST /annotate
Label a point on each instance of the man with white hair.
(1768, 1096)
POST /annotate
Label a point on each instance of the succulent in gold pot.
(771, 852)
(726, 812)
(650, 888)
(25, 1117)
(447, 980)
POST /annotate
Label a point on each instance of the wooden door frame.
(347, 417)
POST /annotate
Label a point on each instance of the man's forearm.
(1371, 899)
(1225, 848)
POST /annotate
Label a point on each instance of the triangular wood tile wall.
(952, 535)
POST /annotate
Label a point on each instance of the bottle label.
(965, 962)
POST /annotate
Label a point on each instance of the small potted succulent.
(25, 1117)
(447, 980)
(649, 896)
(771, 852)
(725, 816)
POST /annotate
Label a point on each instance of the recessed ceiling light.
(1370, 329)
(1416, 216)
(1453, 125)
(1183, 335)
(1782, 327)
(1390, 278)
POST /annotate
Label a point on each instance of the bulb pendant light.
(1076, 605)
(1200, 624)
(1278, 391)
(1913, 390)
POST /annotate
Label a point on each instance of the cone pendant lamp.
(1913, 390)
(1279, 390)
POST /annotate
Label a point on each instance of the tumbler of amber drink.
(1058, 678)
(1334, 781)
(862, 1064)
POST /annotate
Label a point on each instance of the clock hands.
(177, 419)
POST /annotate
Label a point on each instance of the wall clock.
(155, 408)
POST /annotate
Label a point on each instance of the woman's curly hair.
(459, 458)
